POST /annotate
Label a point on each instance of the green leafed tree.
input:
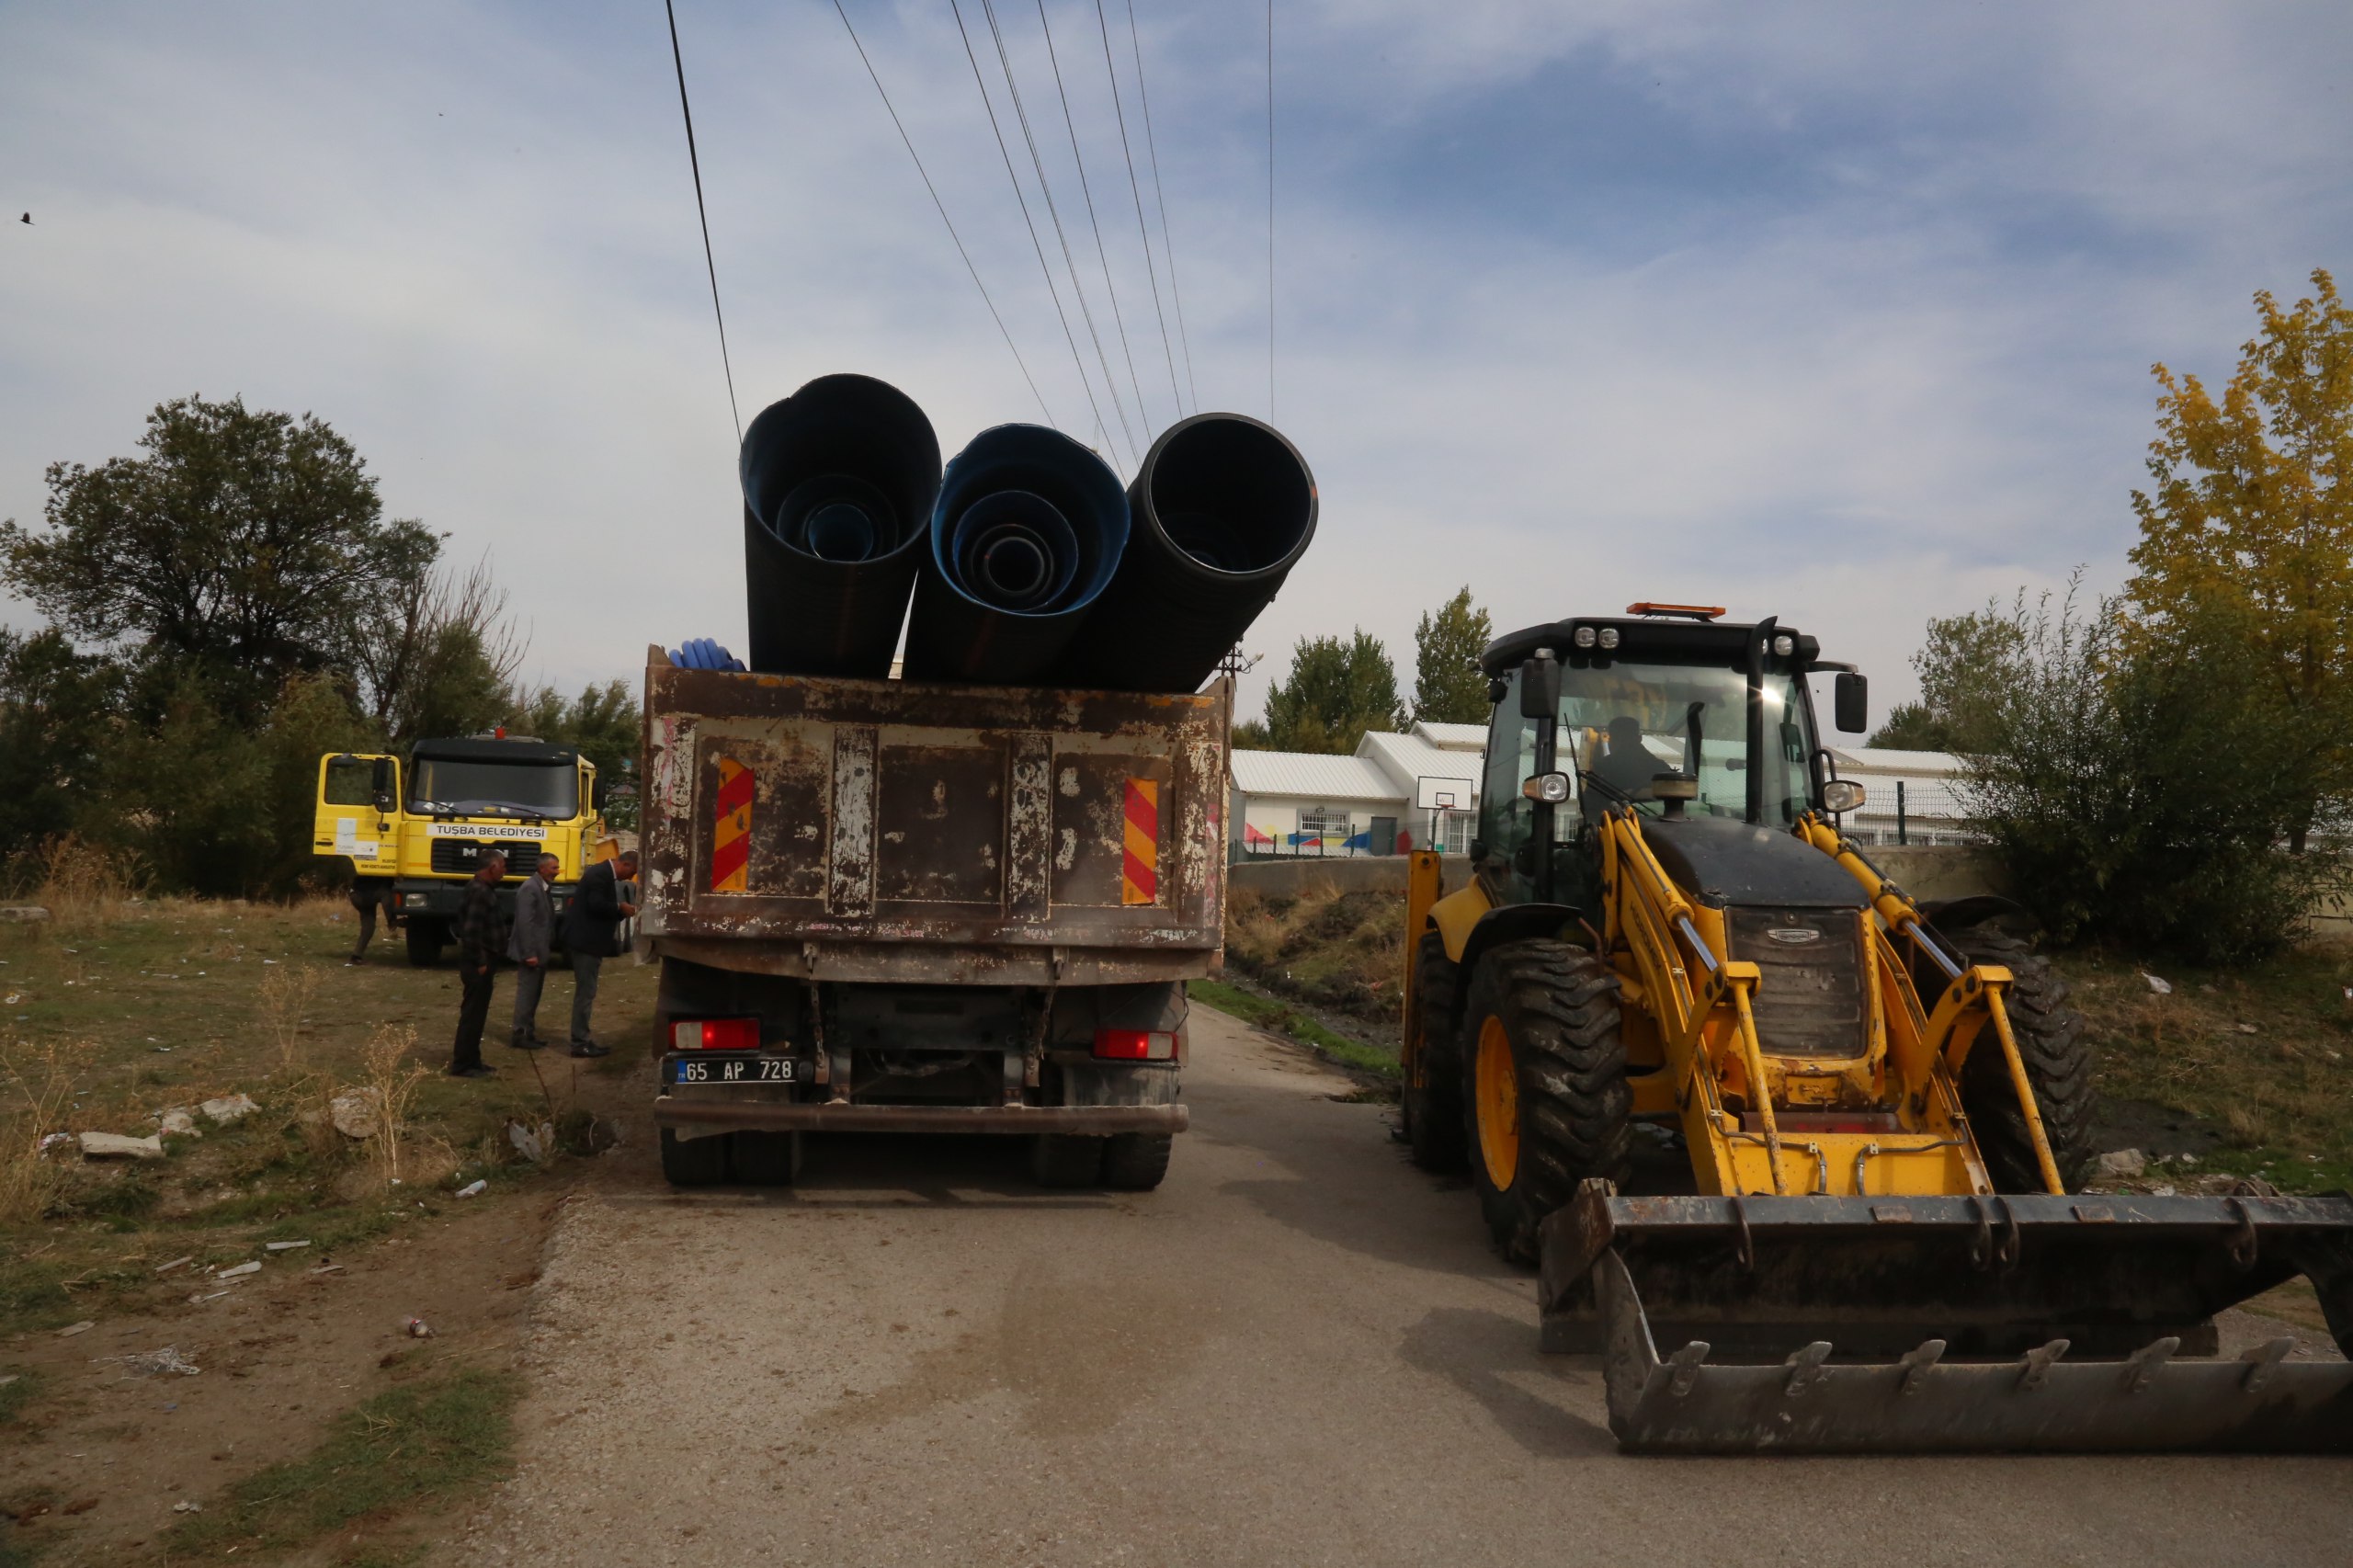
(1967, 665)
(1338, 688)
(1449, 686)
(2250, 522)
(246, 547)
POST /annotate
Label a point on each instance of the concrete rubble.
(229, 1109)
(121, 1147)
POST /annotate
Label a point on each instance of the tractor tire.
(1061, 1159)
(696, 1161)
(765, 1159)
(1135, 1162)
(426, 937)
(2058, 1064)
(1436, 1129)
(1544, 1076)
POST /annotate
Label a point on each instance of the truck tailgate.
(885, 831)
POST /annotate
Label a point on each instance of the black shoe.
(353, 959)
(479, 1070)
(527, 1042)
(590, 1048)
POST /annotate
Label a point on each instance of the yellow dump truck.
(422, 826)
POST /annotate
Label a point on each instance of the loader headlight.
(1785, 644)
(1843, 795)
(1608, 637)
(1582, 637)
(1549, 787)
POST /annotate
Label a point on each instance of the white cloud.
(1906, 372)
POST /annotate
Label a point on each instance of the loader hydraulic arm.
(1648, 914)
(1973, 996)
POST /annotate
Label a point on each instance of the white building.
(1420, 790)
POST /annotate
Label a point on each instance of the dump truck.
(422, 823)
(900, 906)
(1743, 1100)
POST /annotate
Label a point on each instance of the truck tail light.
(715, 1034)
(1135, 1045)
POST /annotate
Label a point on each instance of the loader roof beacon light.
(1223, 508)
(1028, 530)
(1867, 1244)
(838, 485)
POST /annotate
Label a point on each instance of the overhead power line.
(1044, 268)
(1271, 211)
(1135, 189)
(709, 265)
(1045, 187)
(1160, 194)
(1102, 257)
(944, 218)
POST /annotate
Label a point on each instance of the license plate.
(735, 1069)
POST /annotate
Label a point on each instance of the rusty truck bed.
(890, 832)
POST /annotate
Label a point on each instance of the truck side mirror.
(380, 784)
(1540, 687)
(596, 793)
(1850, 696)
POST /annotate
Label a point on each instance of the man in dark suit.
(481, 938)
(591, 931)
(530, 946)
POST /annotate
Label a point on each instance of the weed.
(1281, 1018)
(36, 1088)
(284, 1005)
(433, 1442)
(392, 1080)
(16, 1394)
(80, 884)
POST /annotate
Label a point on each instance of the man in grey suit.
(533, 941)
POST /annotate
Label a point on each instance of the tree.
(1449, 686)
(249, 544)
(2250, 522)
(1966, 665)
(58, 713)
(435, 654)
(2138, 792)
(1338, 690)
(1252, 735)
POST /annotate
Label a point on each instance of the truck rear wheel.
(1435, 1127)
(2058, 1064)
(1135, 1162)
(1544, 1075)
(693, 1162)
(765, 1159)
(426, 938)
(1058, 1159)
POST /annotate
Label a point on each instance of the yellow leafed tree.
(2248, 530)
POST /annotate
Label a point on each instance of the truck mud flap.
(2076, 1324)
(750, 1116)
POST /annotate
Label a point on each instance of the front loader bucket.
(1944, 1324)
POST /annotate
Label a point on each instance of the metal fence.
(1912, 812)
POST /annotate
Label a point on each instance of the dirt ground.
(94, 1456)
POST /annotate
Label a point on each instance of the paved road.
(1297, 1352)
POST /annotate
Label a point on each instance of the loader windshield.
(1625, 723)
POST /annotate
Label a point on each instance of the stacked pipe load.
(838, 485)
(1030, 529)
(1223, 508)
(1027, 561)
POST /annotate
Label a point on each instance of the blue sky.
(1842, 312)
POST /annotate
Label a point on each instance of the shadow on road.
(1476, 1350)
(898, 1170)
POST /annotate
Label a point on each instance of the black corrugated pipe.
(838, 485)
(1029, 529)
(1224, 507)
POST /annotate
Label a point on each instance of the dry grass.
(36, 1088)
(81, 885)
(391, 1079)
(1343, 952)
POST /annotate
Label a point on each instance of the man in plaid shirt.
(482, 937)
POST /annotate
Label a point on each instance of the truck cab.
(422, 823)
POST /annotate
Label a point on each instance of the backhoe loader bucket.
(1998, 1324)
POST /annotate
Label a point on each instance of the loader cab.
(1644, 698)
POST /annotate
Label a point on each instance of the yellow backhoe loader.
(1736, 1094)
